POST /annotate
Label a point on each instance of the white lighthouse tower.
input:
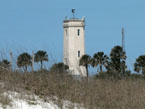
(74, 44)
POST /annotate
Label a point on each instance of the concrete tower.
(74, 45)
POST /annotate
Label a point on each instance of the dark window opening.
(79, 53)
(78, 32)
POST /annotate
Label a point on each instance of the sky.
(27, 25)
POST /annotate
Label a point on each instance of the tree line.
(113, 65)
(25, 59)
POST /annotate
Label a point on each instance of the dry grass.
(93, 94)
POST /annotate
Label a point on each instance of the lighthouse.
(74, 44)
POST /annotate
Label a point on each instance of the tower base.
(81, 71)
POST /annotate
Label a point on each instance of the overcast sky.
(27, 25)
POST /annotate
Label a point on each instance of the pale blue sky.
(37, 24)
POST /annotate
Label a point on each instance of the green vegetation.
(41, 56)
(5, 63)
(139, 65)
(99, 59)
(116, 55)
(85, 61)
(60, 67)
(24, 60)
(114, 66)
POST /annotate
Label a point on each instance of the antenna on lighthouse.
(123, 40)
(123, 51)
(73, 11)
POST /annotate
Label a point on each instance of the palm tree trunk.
(87, 71)
(41, 64)
(26, 68)
(101, 68)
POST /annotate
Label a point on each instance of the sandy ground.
(29, 101)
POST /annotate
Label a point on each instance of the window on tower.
(79, 54)
(78, 32)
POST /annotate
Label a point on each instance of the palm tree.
(118, 57)
(99, 59)
(24, 60)
(85, 61)
(139, 65)
(59, 67)
(41, 56)
(5, 63)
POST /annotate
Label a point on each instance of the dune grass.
(92, 93)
